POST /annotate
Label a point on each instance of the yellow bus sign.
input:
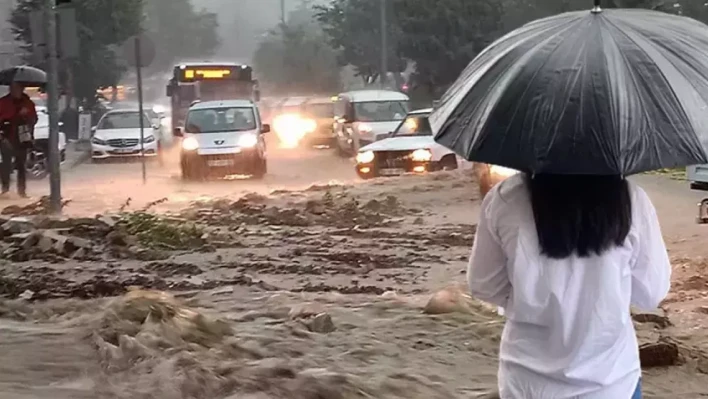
(206, 74)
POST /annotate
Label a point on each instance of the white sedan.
(117, 134)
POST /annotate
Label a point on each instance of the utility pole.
(282, 12)
(384, 44)
(50, 33)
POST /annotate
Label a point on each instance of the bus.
(192, 82)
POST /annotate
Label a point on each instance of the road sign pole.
(384, 46)
(50, 27)
(138, 68)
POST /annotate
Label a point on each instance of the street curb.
(83, 157)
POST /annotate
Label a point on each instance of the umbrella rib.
(533, 77)
(632, 74)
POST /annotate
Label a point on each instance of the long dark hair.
(582, 215)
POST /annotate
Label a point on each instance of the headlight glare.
(190, 144)
(502, 171)
(422, 155)
(365, 157)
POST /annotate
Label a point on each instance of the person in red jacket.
(18, 116)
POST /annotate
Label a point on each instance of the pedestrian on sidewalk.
(18, 116)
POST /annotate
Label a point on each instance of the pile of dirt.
(136, 235)
(339, 210)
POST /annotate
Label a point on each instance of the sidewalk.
(76, 154)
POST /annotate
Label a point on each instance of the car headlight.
(96, 140)
(149, 139)
(248, 140)
(364, 128)
(422, 155)
(309, 126)
(190, 144)
(365, 157)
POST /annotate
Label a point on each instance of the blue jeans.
(638, 393)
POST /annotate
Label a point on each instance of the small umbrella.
(24, 75)
(616, 91)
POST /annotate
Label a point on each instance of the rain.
(293, 214)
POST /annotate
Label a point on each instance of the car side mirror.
(265, 128)
(155, 126)
(93, 129)
(177, 132)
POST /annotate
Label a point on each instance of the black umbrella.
(24, 75)
(616, 91)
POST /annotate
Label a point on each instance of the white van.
(223, 136)
(365, 116)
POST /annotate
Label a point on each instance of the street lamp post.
(50, 34)
(384, 44)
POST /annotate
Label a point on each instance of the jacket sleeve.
(5, 110)
(32, 117)
(651, 272)
(486, 272)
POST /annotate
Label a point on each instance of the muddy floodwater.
(323, 293)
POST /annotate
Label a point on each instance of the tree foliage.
(296, 58)
(104, 25)
(180, 31)
(354, 29)
(441, 37)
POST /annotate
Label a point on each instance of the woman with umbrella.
(577, 102)
(17, 119)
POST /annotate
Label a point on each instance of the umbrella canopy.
(24, 75)
(604, 92)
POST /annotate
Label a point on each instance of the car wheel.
(448, 162)
(261, 169)
(189, 173)
(341, 151)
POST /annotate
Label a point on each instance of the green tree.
(353, 27)
(180, 31)
(103, 25)
(296, 58)
(442, 37)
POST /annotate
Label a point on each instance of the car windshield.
(320, 110)
(414, 125)
(123, 120)
(213, 120)
(380, 111)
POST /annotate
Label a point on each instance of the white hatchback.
(224, 137)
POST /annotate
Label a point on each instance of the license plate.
(220, 162)
(391, 171)
(124, 150)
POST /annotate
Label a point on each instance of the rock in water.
(322, 323)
